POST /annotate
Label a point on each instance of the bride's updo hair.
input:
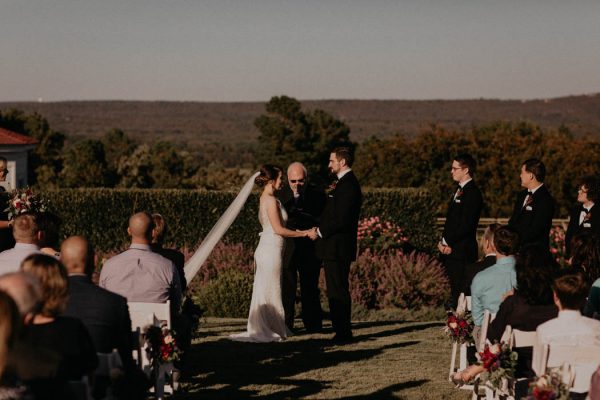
(268, 173)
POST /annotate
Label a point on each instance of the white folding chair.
(582, 359)
(142, 315)
(462, 306)
(488, 317)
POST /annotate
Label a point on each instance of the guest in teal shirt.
(490, 285)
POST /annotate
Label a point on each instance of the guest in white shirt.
(27, 237)
(570, 327)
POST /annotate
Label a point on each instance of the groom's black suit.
(303, 213)
(337, 248)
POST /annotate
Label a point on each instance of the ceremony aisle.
(389, 360)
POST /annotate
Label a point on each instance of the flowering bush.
(228, 295)
(24, 201)
(224, 257)
(500, 363)
(395, 279)
(161, 346)
(549, 387)
(459, 326)
(380, 236)
(557, 244)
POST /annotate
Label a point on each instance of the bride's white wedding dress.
(266, 320)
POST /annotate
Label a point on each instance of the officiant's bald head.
(140, 227)
(297, 176)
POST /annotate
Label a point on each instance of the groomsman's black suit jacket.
(462, 218)
(534, 221)
(592, 224)
(104, 314)
(339, 221)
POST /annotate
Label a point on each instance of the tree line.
(290, 133)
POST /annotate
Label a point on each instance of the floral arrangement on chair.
(557, 244)
(549, 387)
(499, 362)
(24, 201)
(380, 236)
(459, 326)
(160, 344)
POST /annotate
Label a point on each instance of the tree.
(167, 166)
(288, 134)
(135, 170)
(85, 165)
(116, 147)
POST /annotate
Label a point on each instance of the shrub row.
(102, 214)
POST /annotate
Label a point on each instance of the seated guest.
(570, 327)
(139, 274)
(158, 236)
(489, 259)
(27, 362)
(65, 335)
(530, 305)
(490, 285)
(586, 259)
(584, 217)
(9, 327)
(105, 314)
(27, 237)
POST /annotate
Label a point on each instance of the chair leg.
(452, 361)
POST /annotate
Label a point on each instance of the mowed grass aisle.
(389, 360)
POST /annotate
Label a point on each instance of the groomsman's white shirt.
(570, 327)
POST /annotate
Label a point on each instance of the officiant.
(304, 204)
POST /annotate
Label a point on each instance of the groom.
(337, 246)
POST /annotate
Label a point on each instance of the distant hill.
(197, 123)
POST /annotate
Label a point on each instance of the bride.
(266, 321)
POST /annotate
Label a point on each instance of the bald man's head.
(140, 228)
(77, 255)
(25, 290)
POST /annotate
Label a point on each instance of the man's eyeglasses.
(582, 190)
(296, 180)
(457, 168)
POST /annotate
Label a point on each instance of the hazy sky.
(251, 50)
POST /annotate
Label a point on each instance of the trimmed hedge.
(102, 214)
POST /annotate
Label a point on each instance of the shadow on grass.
(401, 330)
(388, 392)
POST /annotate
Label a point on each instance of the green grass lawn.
(388, 360)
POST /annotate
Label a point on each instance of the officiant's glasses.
(296, 180)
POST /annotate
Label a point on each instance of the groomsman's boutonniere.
(587, 220)
(529, 202)
(458, 195)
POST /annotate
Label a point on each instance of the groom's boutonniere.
(331, 187)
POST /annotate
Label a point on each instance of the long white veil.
(193, 265)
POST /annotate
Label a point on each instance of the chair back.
(488, 317)
(582, 358)
(520, 338)
(461, 303)
(143, 314)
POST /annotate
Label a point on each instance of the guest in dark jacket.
(585, 217)
(105, 314)
(489, 259)
(66, 336)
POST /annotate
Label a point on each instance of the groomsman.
(337, 247)
(304, 204)
(534, 208)
(459, 239)
(585, 216)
